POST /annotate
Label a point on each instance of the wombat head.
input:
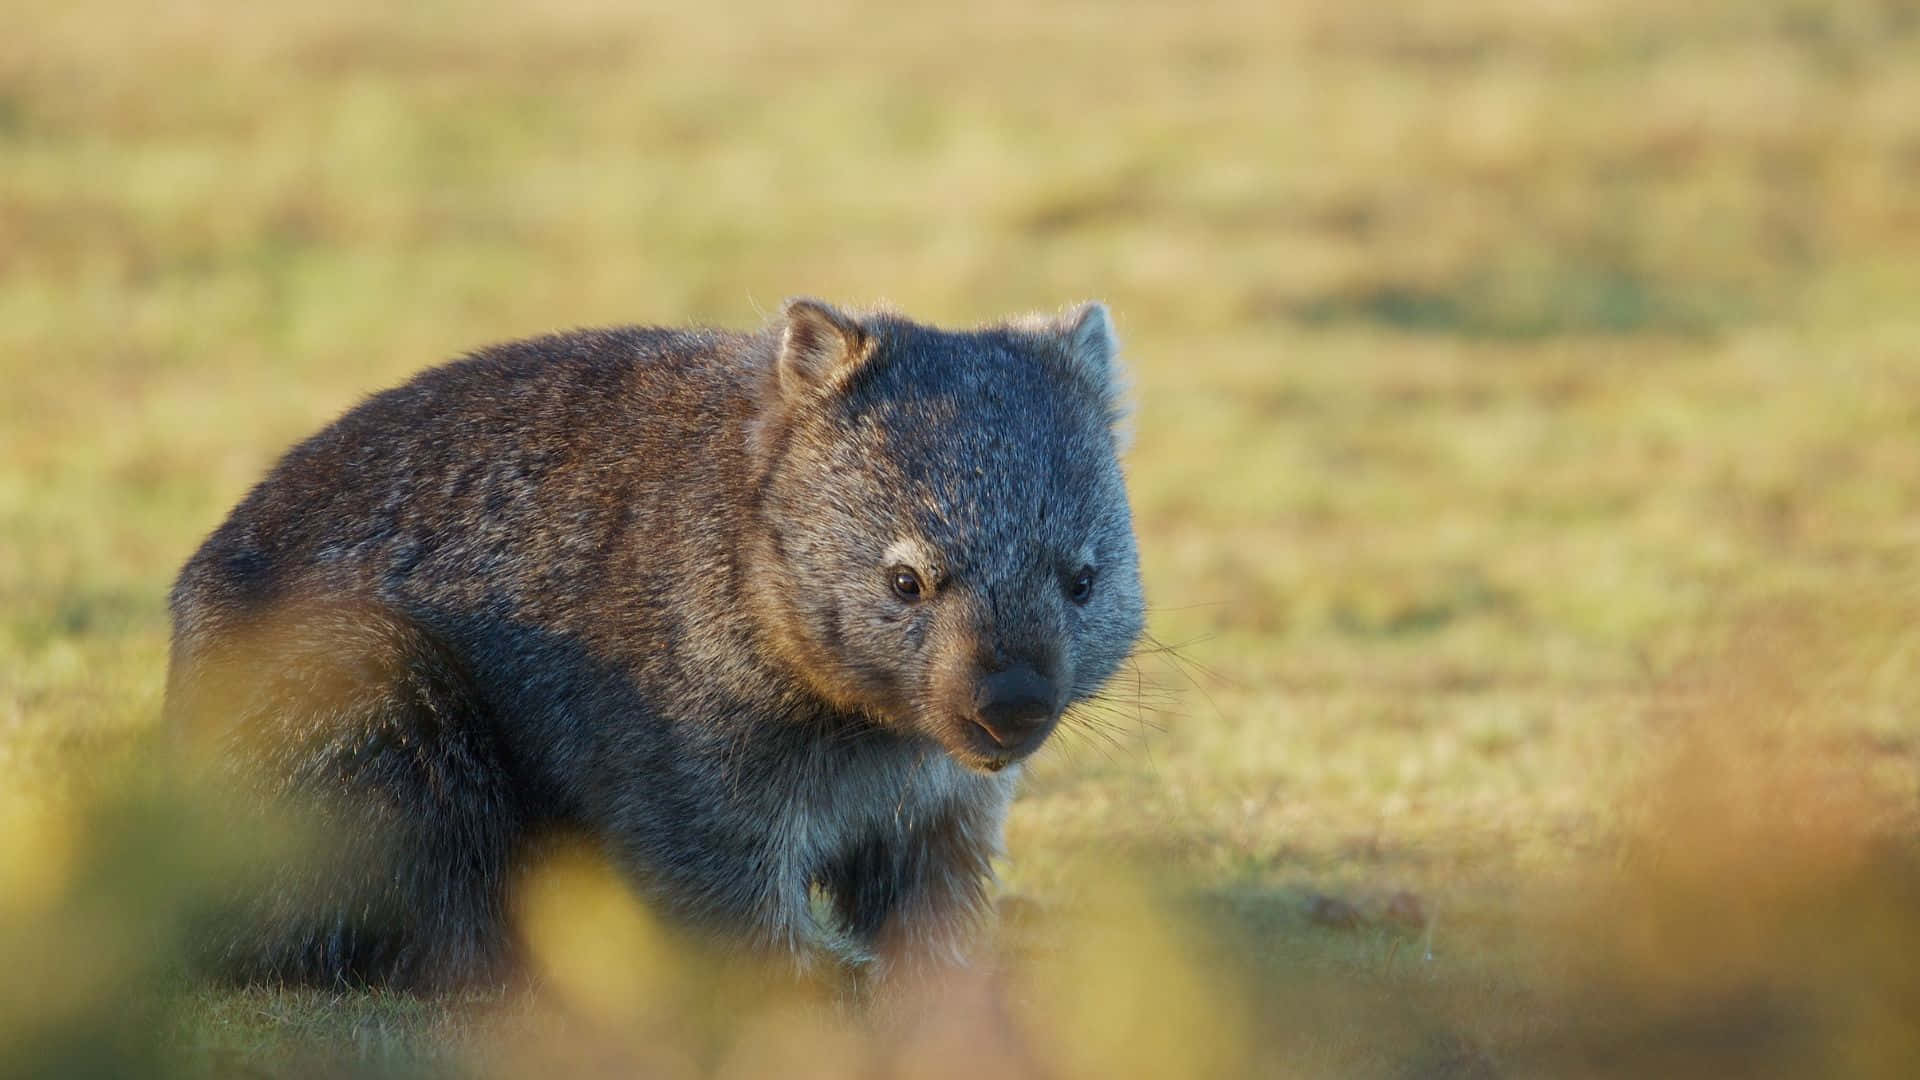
(941, 524)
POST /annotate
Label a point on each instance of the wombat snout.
(1015, 709)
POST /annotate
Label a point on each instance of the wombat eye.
(1080, 589)
(906, 583)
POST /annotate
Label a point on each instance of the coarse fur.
(756, 614)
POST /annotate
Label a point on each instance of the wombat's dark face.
(943, 526)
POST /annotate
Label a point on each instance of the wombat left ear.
(819, 347)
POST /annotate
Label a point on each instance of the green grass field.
(1526, 464)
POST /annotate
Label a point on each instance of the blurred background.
(1525, 467)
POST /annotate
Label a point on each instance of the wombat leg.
(914, 903)
(361, 731)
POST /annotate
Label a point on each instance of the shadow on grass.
(1640, 972)
(1570, 299)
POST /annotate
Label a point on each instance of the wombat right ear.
(1087, 331)
(820, 347)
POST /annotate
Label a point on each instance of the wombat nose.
(1013, 704)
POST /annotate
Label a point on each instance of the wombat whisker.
(1093, 721)
(1186, 666)
(1175, 652)
(1123, 717)
(1102, 744)
(1111, 729)
(1140, 694)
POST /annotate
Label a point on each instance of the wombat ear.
(1086, 333)
(819, 347)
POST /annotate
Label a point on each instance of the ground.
(1525, 466)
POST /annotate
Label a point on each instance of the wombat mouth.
(984, 763)
(976, 748)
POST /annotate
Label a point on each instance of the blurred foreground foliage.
(1753, 913)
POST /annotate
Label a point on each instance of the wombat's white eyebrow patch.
(908, 551)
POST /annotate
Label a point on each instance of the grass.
(1524, 465)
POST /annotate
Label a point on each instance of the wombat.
(757, 615)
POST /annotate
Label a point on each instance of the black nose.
(1013, 705)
